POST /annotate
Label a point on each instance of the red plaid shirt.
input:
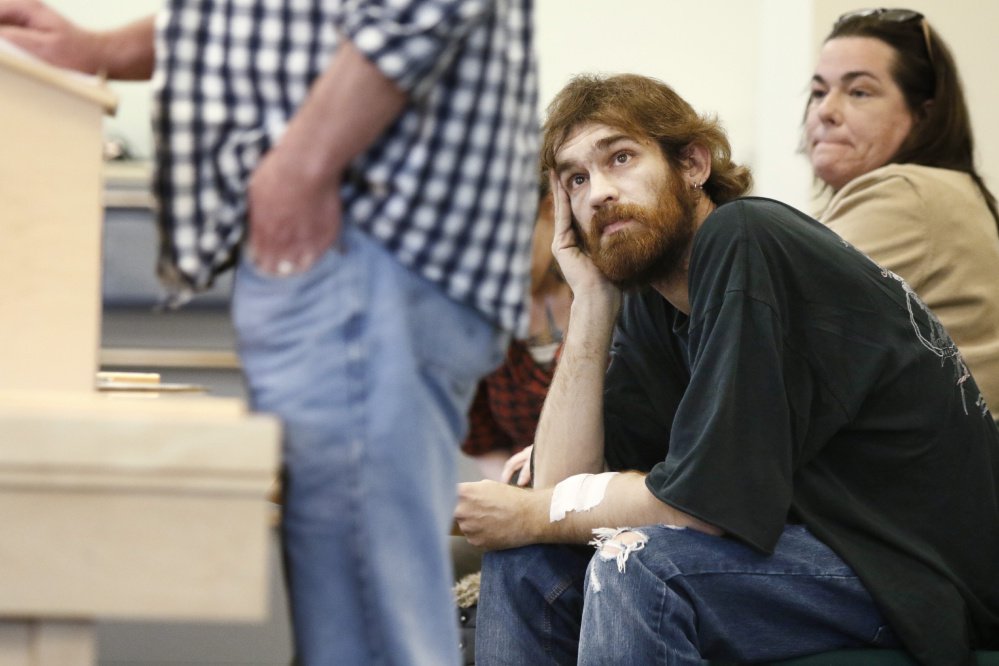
(507, 404)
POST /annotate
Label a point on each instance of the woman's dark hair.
(925, 71)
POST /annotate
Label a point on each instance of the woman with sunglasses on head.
(887, 131)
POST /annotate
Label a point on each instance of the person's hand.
(41, 31)
(582, 276)
(294, 217)
(520, 464)
(495, 515)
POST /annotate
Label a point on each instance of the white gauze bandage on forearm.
(581, 492)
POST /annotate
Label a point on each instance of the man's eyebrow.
(614, 138)
(601, 144)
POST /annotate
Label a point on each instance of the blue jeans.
(371, 370)
(684, 597)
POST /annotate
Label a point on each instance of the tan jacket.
(932, 227)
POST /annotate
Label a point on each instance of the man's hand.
(38, 29)
(579, 271)
(126, 53)
(294, 193)
(294, 216)
(496, 515)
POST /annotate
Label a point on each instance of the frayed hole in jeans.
(618, 544)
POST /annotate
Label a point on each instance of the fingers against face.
(564, 234)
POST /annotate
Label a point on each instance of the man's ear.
(696, 164)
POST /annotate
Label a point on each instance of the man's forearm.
(295, 210)
(570, 435)
(495, 515)
(127, 53)
(349, 107)
(626, 503)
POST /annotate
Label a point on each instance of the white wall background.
(746, 61)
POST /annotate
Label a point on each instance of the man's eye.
(622, 158)
(577, 180)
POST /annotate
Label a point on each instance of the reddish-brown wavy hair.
(644, 107)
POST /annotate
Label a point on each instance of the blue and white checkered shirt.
(450, 189)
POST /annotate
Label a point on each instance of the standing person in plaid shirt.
(376, 163)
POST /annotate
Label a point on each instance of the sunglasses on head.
(892, 16)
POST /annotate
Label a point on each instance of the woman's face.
(857, 117)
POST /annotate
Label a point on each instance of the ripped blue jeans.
(671, 596)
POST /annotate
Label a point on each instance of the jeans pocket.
(264, 304)
(250, 267)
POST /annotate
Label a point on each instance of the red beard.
(652, 248)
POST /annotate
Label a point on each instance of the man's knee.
(618, 544)
(669, 550)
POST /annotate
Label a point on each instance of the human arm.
(496, 516)
(294, 193)
(126, 52)
(389, 55)
(569, 438)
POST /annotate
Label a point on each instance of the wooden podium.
(114, 504)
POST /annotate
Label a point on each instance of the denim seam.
(663, 594)
(553, 594)
(357, 353)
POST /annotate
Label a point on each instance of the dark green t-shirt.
(810, 385)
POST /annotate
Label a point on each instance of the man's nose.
(603, 189)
